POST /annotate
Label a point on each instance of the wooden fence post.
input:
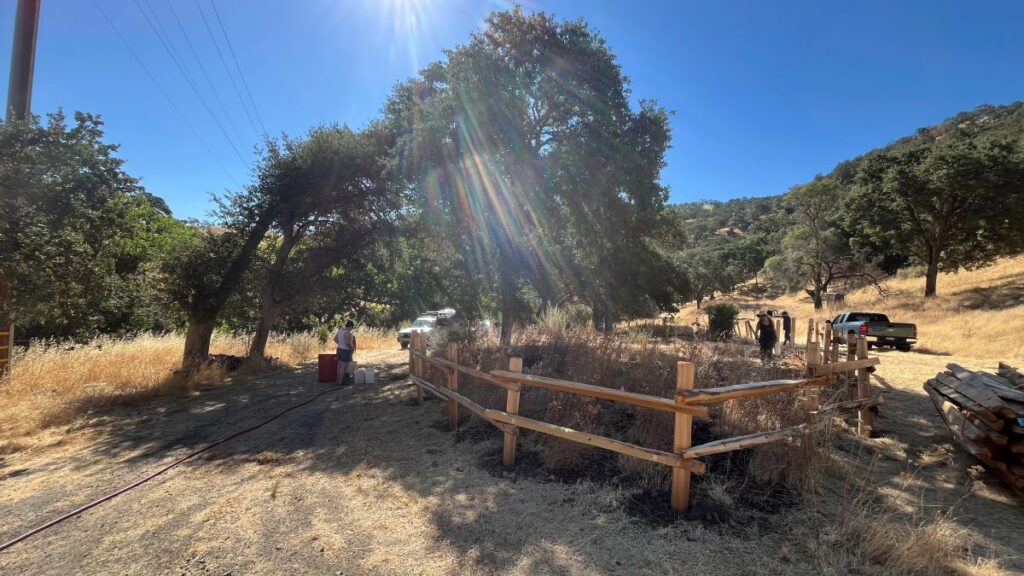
(515, 364)
(421, 347)
(864, 420)
(412, 357)
(851, 355)
(682, 438)
(810, 330)
(453, 385)
(812, 394)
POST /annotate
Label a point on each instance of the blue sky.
(766, 94)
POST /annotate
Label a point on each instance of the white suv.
(427, 323)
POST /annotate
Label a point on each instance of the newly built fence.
(687, 404)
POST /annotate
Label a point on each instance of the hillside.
(977, 313)
(966, 163)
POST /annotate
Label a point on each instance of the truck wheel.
(871, 345)
(904, 348)
(405, 345)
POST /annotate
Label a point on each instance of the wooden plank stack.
(985, 414)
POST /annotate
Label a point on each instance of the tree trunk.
(815, 295)
(197, 343)
(699, 300)
(269, 312)
(203, 315)
(270, 307)
(506, 320)
(932, 275)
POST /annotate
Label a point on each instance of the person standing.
(346, 342)
(766, 336)
(787, 327)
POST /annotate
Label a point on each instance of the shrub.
(721, 319)
(639, 364)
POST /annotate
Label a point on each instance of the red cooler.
(327, 368)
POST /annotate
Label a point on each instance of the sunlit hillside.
(977, 313)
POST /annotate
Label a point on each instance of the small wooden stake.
(515, 364)
(863, 390)
(682, 439)
(453, 385)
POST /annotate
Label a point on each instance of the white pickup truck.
(877, 328)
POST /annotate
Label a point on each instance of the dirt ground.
(365, 481)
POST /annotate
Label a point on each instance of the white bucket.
(360, 377)
(371, 376)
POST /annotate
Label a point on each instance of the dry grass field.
(54, 384)
(366, 481)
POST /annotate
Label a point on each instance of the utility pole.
(19, 106)
(23, 60)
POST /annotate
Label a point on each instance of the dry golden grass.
(977, 313)
(53, 384)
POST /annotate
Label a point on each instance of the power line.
(209, 81)
(227, 69)
(192, 84)
(160, 88)
(235, 59)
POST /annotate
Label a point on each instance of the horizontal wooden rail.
(601, 392)
(848, 366)
(446, 394)
(649, 454)
(741, 442)
(712, 395)
(851, 405)
(448, 364)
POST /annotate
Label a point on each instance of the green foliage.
(80, 236)
(534, 169)
(721, 320)
(951, 202)
(815, 250)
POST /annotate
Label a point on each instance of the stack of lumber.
(985, 414)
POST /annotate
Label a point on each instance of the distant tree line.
(512, 176)
(949, 197)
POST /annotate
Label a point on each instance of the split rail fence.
(687, 404)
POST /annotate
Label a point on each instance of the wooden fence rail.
(689, 402)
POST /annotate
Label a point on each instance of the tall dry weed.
(915, 539)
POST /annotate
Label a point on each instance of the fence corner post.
(864, 417)
(515, 364)
(453, 385)
(682, 438)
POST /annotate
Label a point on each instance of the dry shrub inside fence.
(635, 363)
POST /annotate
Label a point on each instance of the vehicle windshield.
(866, 317)
(423, 323)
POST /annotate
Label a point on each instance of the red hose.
(186, 458)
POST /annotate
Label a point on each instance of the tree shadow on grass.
(1009, 293)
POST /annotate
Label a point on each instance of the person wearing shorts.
(346, 342)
